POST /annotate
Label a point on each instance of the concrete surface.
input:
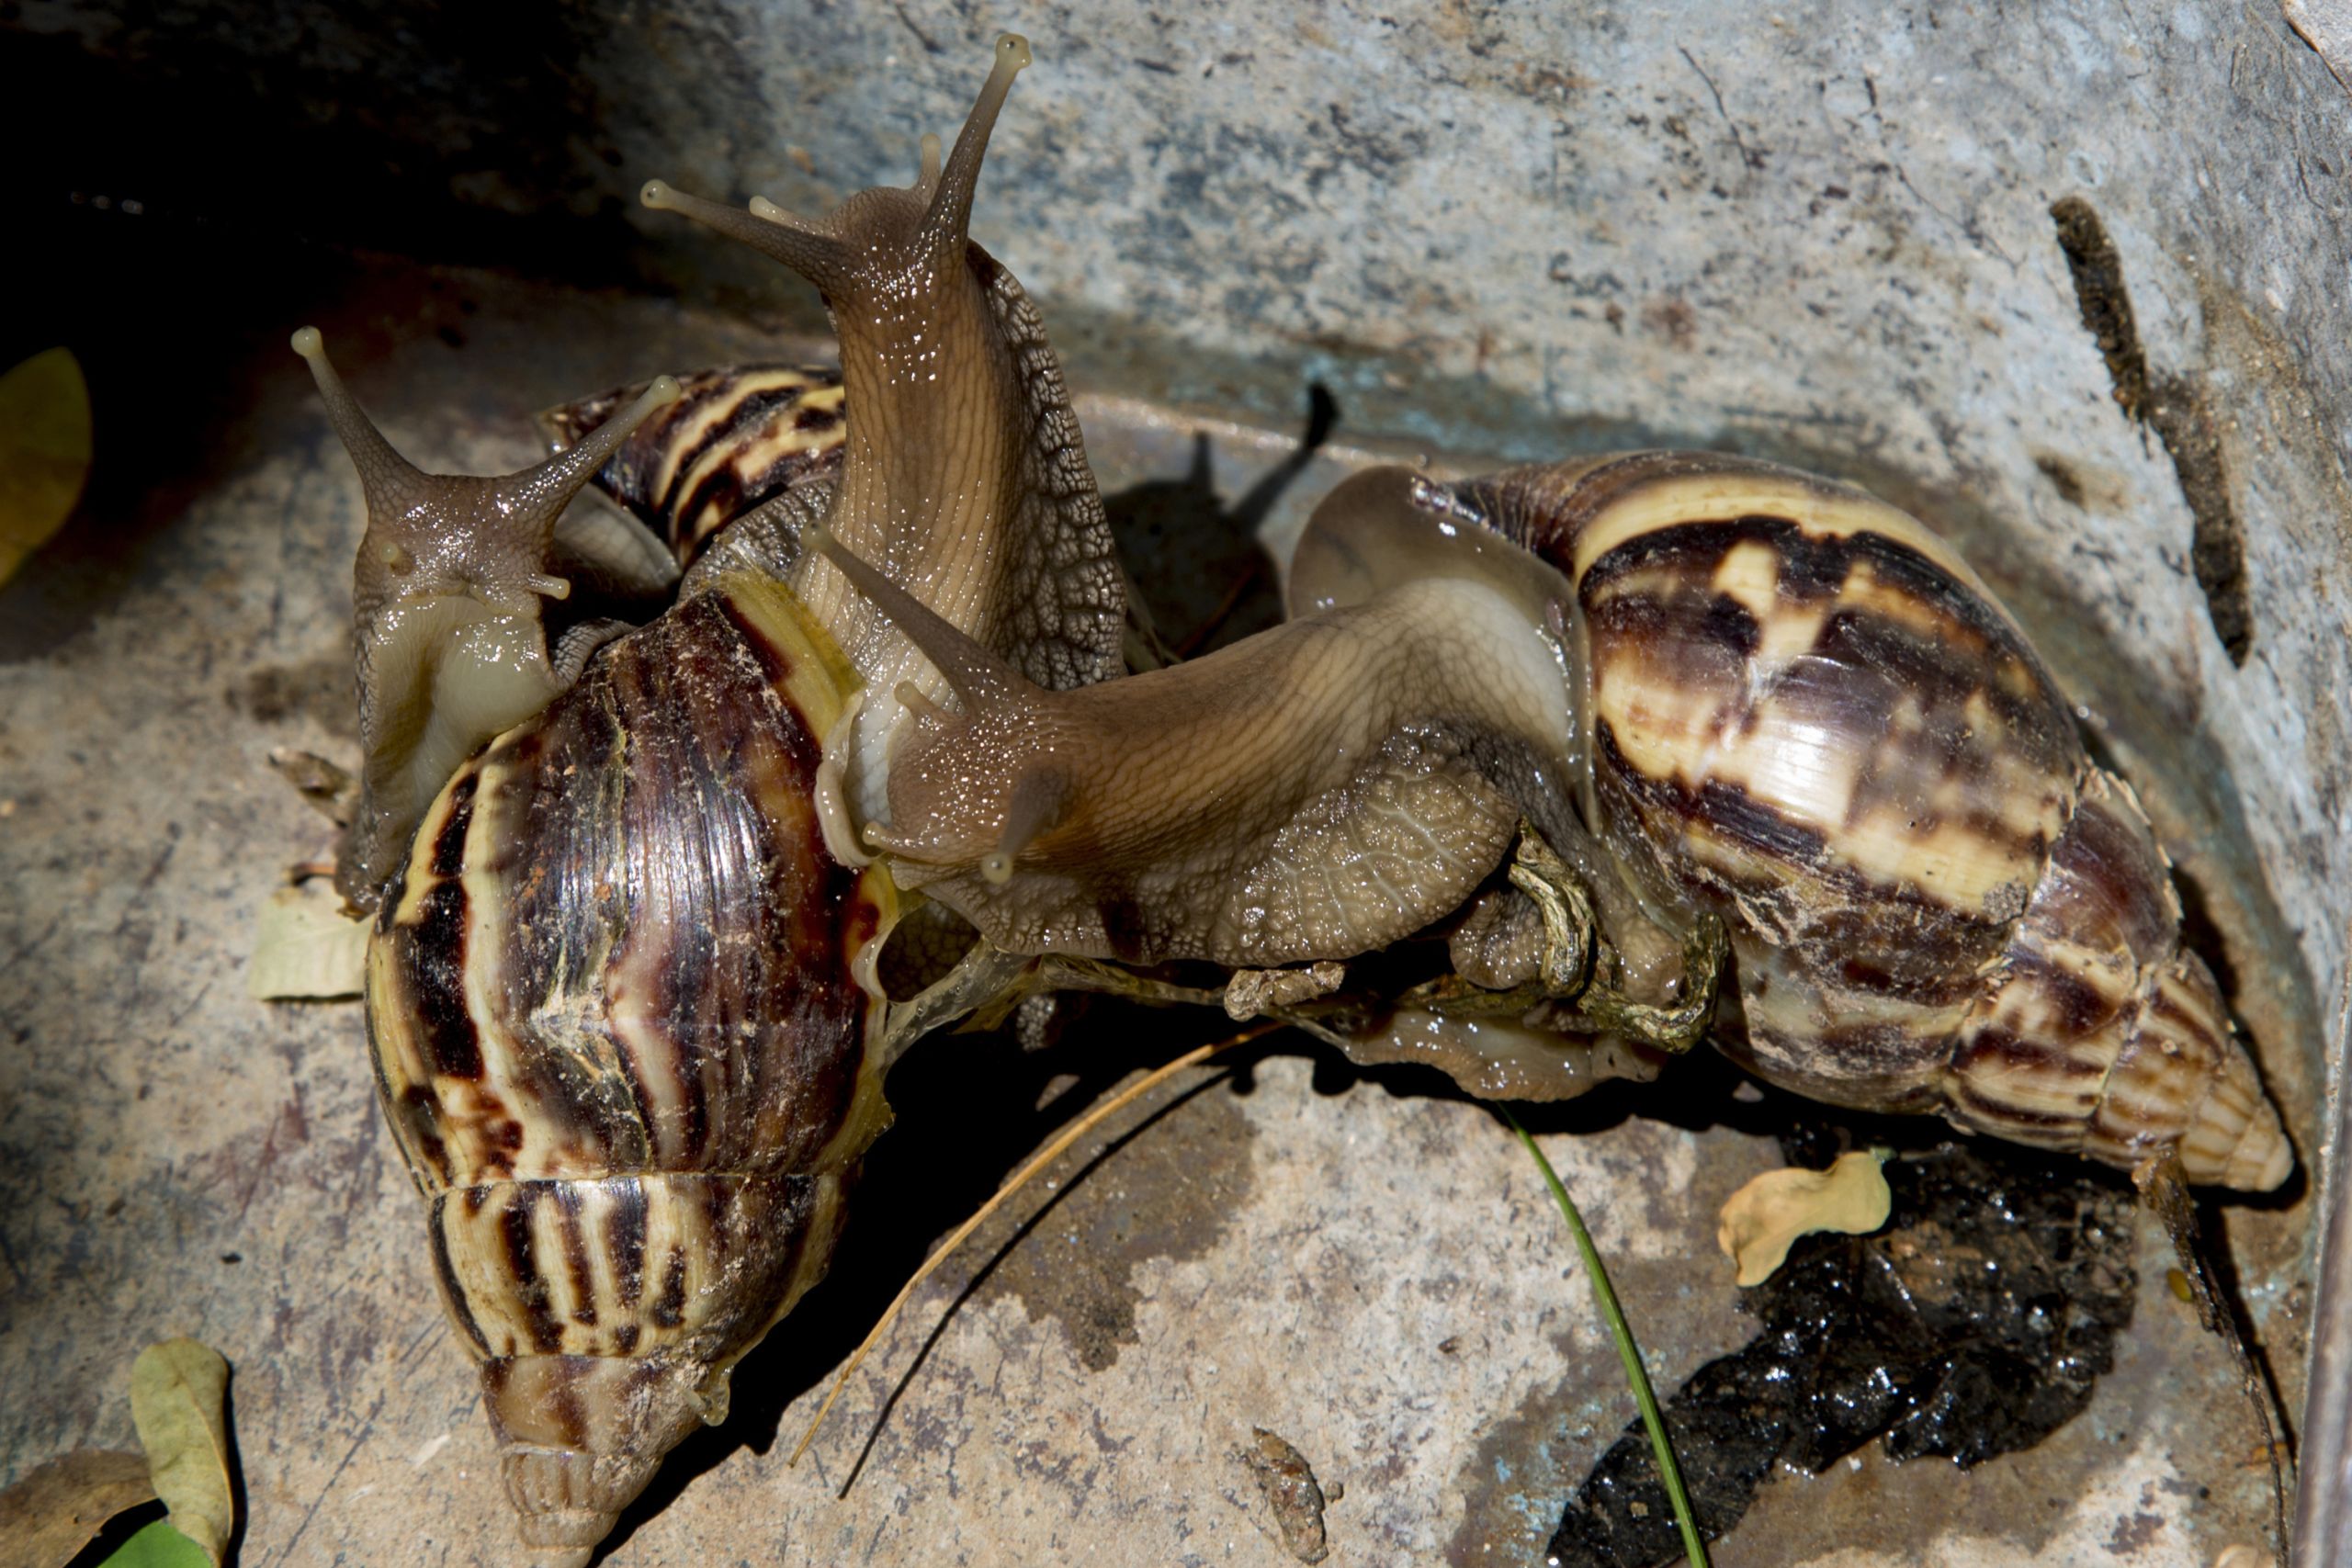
(1814, 233)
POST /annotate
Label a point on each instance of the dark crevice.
(2171, 406)
(2106, 303)
(2178, 415)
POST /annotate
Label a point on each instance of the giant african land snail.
(1768, 697)
(445, 602)
(621, 989)
(1811, 717)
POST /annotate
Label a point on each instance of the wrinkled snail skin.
(1809, 716)
(964, 473)
(621, 1044)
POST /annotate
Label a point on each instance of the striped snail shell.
(736, 437)
(621, 987)
(622, 1044)
(1807, 714)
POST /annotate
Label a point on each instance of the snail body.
(964, 470)
(1317, 792)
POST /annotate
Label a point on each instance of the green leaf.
(177, 1394)
(158, 1546)
(44, 451)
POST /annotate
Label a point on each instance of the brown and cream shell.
(734, 438)
(623, 1047)
(1810, 716)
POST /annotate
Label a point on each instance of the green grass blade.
(1692, 1544)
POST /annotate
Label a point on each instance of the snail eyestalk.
(915, 698)
(383, 473)
(949, 219)
(767, 229)
(445, 595)
(977, 676)
(1036, 804)
(836, 252)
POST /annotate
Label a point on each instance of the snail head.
(436, 535)
(971, 788)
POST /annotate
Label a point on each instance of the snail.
(452, 643)
(620, 985)
(1659, 744)
(1731, 693)
(1811, 717)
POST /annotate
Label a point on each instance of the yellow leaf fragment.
(60, 1508)
(177, 1391)
(305, 948)
(44, 451)
(1765, 1217)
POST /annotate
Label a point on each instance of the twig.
(1045, 1156)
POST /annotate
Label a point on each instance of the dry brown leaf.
(60, 1508)
(178, 1394)
(1766, 1217)
(44, 451)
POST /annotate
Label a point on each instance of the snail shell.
(1809, 716)
(621, 1043)
(735, 437)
